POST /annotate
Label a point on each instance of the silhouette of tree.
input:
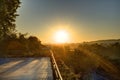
(34, 42)
(8, 9)
(33, 39)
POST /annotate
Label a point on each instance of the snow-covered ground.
(26, 69)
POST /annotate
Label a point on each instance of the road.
(26, 69)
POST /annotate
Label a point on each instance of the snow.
(26, 69)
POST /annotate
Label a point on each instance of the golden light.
(61, 36)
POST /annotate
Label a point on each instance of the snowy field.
(26, 69)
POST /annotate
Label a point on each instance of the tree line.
(12, 43)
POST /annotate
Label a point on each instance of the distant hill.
(109, 41)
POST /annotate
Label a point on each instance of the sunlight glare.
(61, 36)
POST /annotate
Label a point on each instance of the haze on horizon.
(84, 20)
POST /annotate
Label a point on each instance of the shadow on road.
(17, 66)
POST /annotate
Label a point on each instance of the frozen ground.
(26, 69)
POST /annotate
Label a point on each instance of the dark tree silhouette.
(34, 42)
(8, 9)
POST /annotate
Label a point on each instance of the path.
(26, 69)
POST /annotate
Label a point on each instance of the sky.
(84, 20)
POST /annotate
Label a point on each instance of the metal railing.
(55, 67)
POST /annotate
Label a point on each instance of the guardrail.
(55, 67)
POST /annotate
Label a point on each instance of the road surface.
(26, 69)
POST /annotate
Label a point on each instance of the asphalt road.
(26, 69)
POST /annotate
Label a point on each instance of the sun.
(61, 36)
